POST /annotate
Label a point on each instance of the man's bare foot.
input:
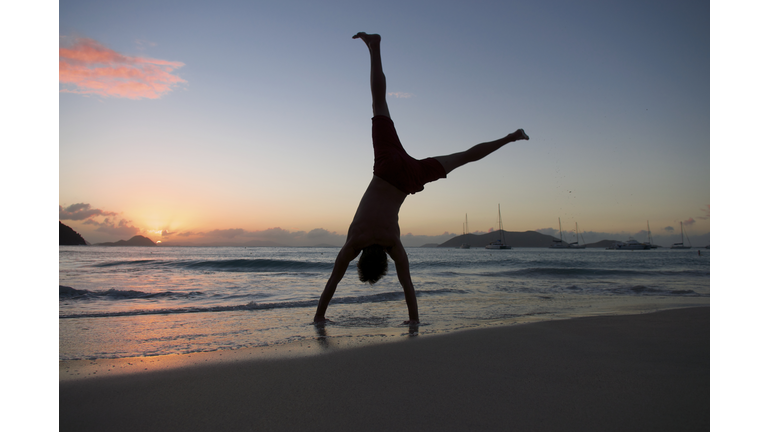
(519, 135)
(368, 38)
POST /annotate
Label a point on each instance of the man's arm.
(345, 256)
(404, 276)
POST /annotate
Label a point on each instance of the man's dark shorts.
(392, 164)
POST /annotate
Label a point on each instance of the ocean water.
(119, 302)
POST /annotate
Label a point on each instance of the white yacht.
(631, 244)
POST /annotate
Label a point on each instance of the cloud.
(279, 233)
(275, 235)
(318, 232)
(227, 233)
(689, 221)
(87, 67)
(400, 95)
(81, 211)
(548, 231)
(280, 236)
(668, 229)
(88, 215)
(123, 228)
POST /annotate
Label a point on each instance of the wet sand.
(632, 372)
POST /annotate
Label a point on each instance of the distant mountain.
(514, 239)
(69, 237)
(134, 241)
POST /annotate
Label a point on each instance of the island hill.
(70, 237)
(514, 239)
(134, 241)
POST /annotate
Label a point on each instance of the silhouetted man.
(374, 229)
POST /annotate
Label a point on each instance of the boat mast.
(686, 235)
(561, 229)
(682, 242)
(501, 227)
(577, 233)
(650, 240)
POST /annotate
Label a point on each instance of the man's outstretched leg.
(378, 81)
(455, 160)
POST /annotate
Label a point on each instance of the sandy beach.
(633, 372)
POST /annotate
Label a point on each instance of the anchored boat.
(500, 243)
(681, 245)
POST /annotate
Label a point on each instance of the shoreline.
(318, 345)
(622, 372)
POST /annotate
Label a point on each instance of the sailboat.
(681, 245)
(500, 243)
(559, 244)
(576, 245)
(649, 243)
(466, 231)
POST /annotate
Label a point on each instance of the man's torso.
(376, 218)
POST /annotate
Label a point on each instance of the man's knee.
(452, 161)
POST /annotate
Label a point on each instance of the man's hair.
(372, 264)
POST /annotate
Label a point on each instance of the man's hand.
(397, 252)
(346, 254)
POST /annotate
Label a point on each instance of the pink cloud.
(87, 67)
(400, 95)
(689, 221)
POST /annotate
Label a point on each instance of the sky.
(235, 122)
(578, 78)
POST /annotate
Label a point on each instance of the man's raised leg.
(378, 81)
(479, 151)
